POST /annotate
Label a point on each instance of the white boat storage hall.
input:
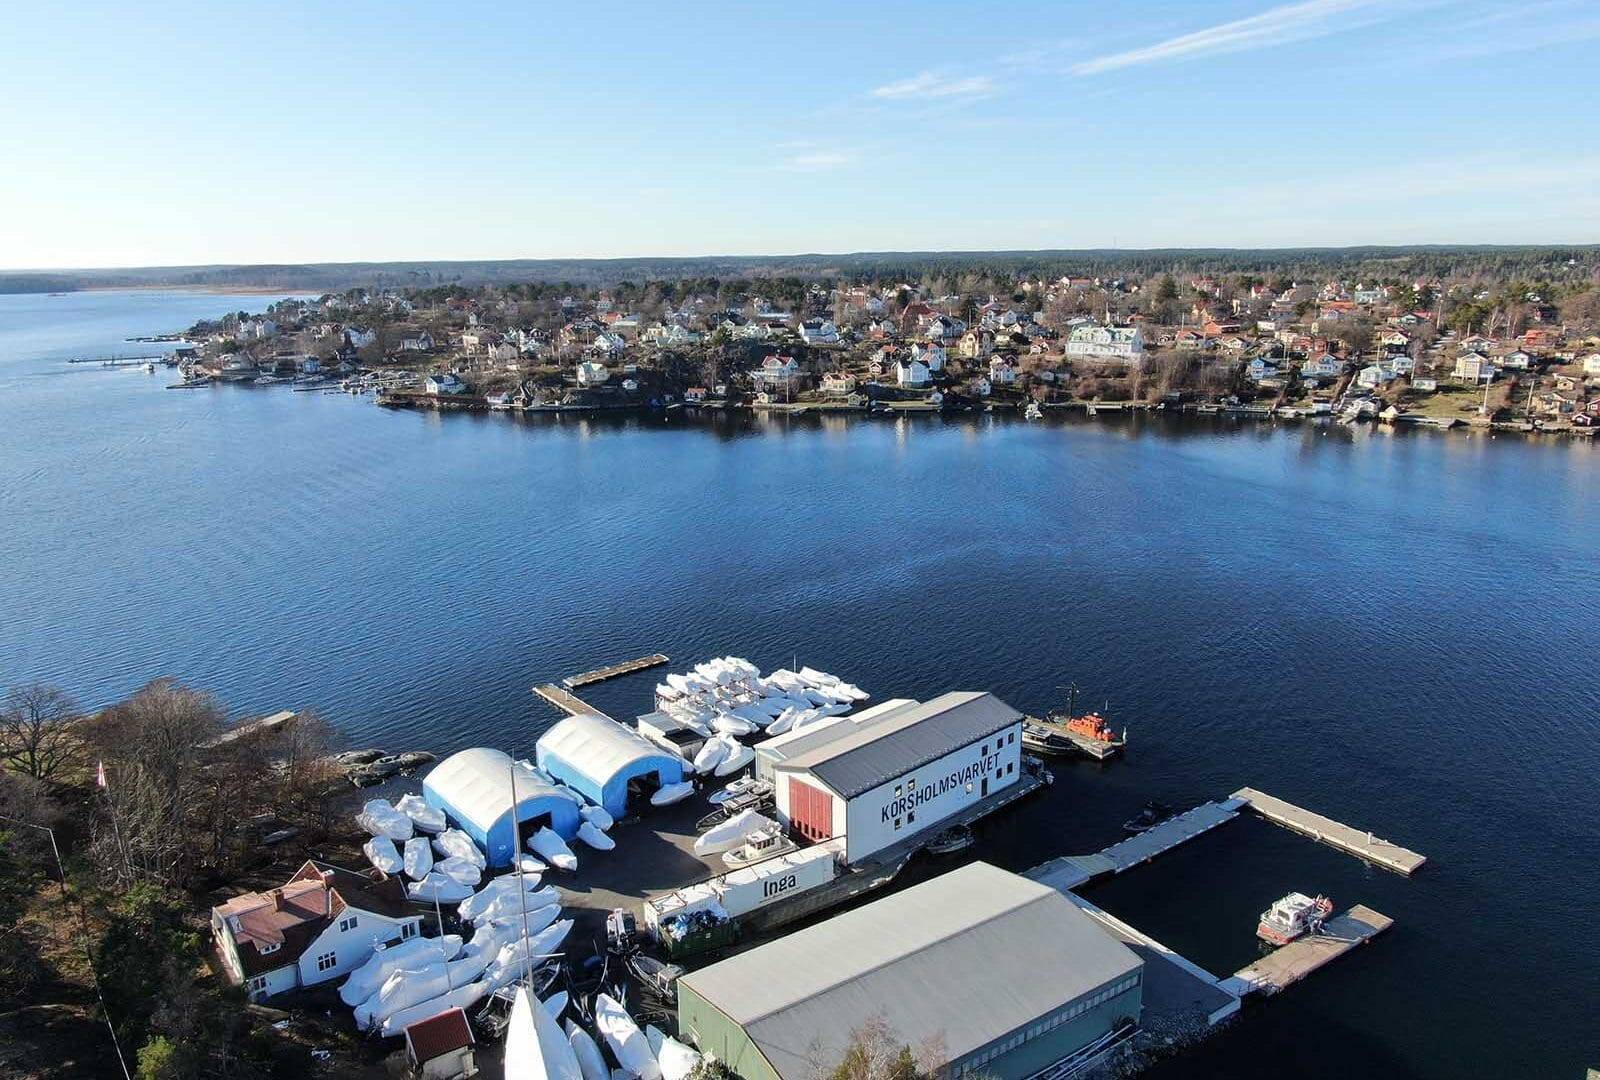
(895, 773)
(474, 789)
(607, 763)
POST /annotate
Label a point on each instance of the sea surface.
(1396, 629)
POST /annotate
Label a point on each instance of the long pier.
(567, 702)
(116, 361)
(615, 671)
(1284, 967)
(1071, 871)
(1364, 845)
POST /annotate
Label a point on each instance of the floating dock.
(1284, 967)
(1094, 748)
(615, 671)
(568, 703)
(1071, 871)
(1361, 844)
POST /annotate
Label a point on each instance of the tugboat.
(1153, 813)
(1294, 916)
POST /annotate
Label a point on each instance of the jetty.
(117, 361)
(615, 671)
(1284, 967)
(1072, 871)
(568, 702)
(1364, 845)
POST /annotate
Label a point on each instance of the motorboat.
(956, 838)
(1150, 815)
(1293, 916)
(747, 785)
(763, 844)
(731, 833)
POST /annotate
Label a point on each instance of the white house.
(1516, 360)
(1001, 371)
(912, 373)
(1325, 366)
(417, 342)
(837, 382)
(359, 336)
(323, 923)
(933, 356)
(1474, 367)
(447, 383)
(1425, 385)
(592, 374)
(1375, 375)
(1259, 369)
(1125, 343)
(819, 332)
(776, 373)
(440, 1047)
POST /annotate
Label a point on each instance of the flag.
(100, 774)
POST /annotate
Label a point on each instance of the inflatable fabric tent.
(600, 758)
(474, 788)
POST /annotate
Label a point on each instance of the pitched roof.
(274, 928)
(968, 957)
(863, 759)
(427, 1039)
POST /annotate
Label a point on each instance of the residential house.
(592, 373)
(777, 373)
(1325, 366)
(422, 342)
(440, 1047)
(608, 344)
(1002, 372)
(943, 329)
(1591, 364)
(446, 383)
(359, 337)
(1474, 367)
(1183, 339)
(912, 373)
(819, 332)
(322, 924)
(931, 355)
(1374, 376)
(695, 394)
(976, 344)
(1553, 403)
(1259, 369)
(837, 382)
(1425, 385)
(1121, 343)
(1516, 360)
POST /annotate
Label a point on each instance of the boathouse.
(906, 771)
(1005, 976)
(605, 762)
(474, 789)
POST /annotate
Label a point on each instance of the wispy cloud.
(1275, 26)
(934, 84)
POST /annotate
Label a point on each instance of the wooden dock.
(568, 703)
(1072, 871)
(1362, 844)
(614, 671)
(1284, 967)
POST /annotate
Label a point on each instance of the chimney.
(275, 899)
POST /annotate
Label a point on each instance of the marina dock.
(1361, 844)
(567, 702)
(614, 671)
(1071, 871)
(1284, 967)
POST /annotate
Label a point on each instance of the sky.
(221, 132)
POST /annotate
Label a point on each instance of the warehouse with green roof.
(1006, 975)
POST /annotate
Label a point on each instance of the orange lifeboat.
(1091, 726)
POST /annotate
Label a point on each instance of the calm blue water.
(1397, 630)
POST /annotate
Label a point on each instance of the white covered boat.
(453, 843)
(437, 887)
(594, 837)
(462, 997)
(506, 883)
(365, 980)
(381, 819)
(729, 834)
(536, 1047)
(628, 1044)
(424, 817)
(589, 1058)
(461, 871)
(672, 793)
(383, 855)
(418, 858)
(548, 845)
(736, 760)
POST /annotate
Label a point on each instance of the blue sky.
(229, 132)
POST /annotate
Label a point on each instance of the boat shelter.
(474, 789)
(607, 763)
(997, 975)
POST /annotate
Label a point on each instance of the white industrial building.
(897, 771)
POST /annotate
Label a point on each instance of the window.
(985, 750)
(911, 815)
(347, 924)
(269, 947)
(408, 930)
(257, 984)
(326, 961)
(1011, 739)
(896, 824)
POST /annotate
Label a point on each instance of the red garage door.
(810, 810)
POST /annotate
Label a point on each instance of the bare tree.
(36, 735)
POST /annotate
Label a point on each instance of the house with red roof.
(440, 1047)
(320, 925)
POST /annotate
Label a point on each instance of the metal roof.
(905, 740)
(828, 728)
(966, 958)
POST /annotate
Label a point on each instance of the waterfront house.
(1516, 360)
(359, 336)
(931, 355)
(447, 383)
(982, 387)
(1427, 386)
(837, 382)
(591, 373)
(1474, 367)
(1325, 366)
(912, 373)
(1118, 343)
(777, 373)
(323, 923)
(1002, 372)
(694, 394)
(1259, 369)
(976, 344)
(1375, 375)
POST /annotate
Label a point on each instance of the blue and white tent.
(474, 788)
(599, 758)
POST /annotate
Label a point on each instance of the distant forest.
(1526, 263)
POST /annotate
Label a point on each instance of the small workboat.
(957, 838)
(1041, 739)
(759, 846)
(1153, 813)
(1294, 916)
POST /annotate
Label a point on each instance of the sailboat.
(536, 1047)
